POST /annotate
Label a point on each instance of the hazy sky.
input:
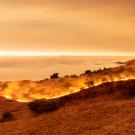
(68, 25)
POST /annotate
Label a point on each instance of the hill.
(26, 90)
(107, 109)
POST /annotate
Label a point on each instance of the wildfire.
(26, 91)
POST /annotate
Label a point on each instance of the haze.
(82, 26)
(39, 68)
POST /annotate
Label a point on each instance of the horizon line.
(41, 53)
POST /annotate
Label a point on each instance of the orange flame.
(26, 91)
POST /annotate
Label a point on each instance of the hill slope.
(26, 90)
(108, 111)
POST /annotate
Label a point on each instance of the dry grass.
(120, 90)
(95, 111)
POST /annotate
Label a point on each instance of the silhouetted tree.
(55, 76)
(104, 69)
(74, 76)
(88, 72)
(99, 70)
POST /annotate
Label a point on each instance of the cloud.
(39, 62)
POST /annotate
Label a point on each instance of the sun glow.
(43, 53)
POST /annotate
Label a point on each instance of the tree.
(55, 76)
(88, 72)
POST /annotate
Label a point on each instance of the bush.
(41, 106)
(7, 116)
(51, 106)
(90, 83)
(125, 89)
(128, 90)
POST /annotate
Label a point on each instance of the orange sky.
(68, 26)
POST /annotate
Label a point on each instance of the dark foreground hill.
(108, 109)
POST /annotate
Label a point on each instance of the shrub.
(128, 90)
(51, 106)
(41, 106)
(7, 116)
(90, 83)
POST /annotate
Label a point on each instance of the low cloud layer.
(37, 68)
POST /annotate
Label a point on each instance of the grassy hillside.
(107, 109)
(26, 90)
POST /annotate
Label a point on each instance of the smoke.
(26, 91)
